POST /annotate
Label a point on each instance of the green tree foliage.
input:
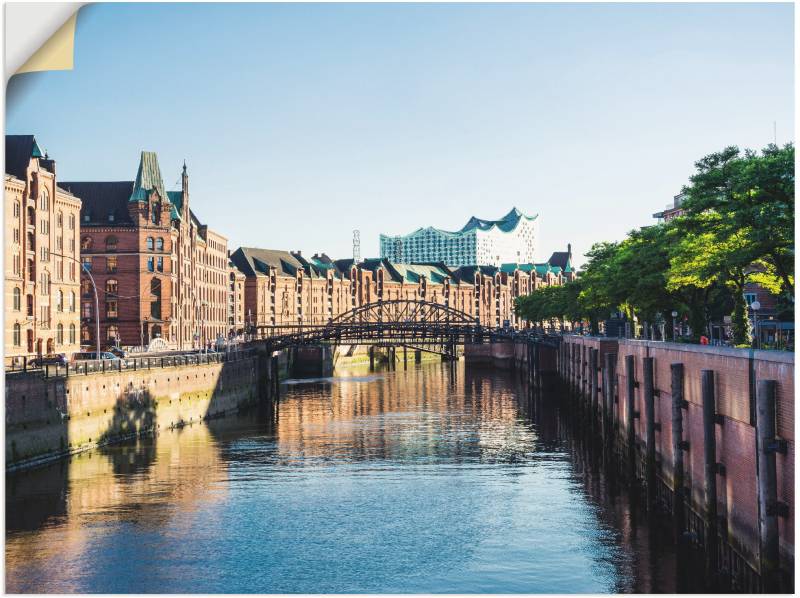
(738, 227)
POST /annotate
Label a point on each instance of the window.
(155, 298)
(60, 334)
(87, 263)
(60, 301)
(111, 263)
(72, 334)
(111, 308)
(72, 301)
(16, 209)
(16, 235)
(159, 244)
(149, 243)
(45, 254)
(150, 267)
(111, 243)
(86, 335)
(60, 220)
(72, 222)
(112, 286)
(160, 264)
(86, 243)
(17, 335)
(113, 334)
(44, 281)
(111, 217)
(749, 298)
(44, 227)
(44, 201)
(87, 217)
(29, 301)
(17, 299)
(86, 286)
(86, 311)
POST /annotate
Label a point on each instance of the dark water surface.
(405, 481)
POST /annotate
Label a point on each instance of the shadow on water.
(301, 461)
(658, 561)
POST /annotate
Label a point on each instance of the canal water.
(420, 480)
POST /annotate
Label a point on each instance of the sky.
(302, 122)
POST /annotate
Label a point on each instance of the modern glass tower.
(511, 239)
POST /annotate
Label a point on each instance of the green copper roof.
(176, 199)
(35, 151)
(148, 179)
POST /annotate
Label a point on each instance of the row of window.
(17, 336)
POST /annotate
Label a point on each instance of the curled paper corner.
(57, 53)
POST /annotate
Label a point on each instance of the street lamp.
(674, 325)
(96, 301)
(755, 306)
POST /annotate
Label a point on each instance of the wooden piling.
(767, 484)
(593, 353)
(608, 395)
(371, 357)
(630, 411)
(710, 469)
(678, 447)
(650, 427)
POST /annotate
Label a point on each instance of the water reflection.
(417, 480)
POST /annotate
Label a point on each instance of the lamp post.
(96, 300)
(755, 306)
(674, 325)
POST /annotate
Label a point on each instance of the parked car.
(92, 355)
(55, 359)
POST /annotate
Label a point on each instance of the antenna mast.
(357, 246)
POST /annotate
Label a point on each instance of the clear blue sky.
(300, 123)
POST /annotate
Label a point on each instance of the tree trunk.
(740, 323)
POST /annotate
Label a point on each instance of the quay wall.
(52, 417)
(736, 375)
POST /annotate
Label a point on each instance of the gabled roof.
(19, 151)
(99, 199)
(148, 178)
(256, 262)
(562, 259)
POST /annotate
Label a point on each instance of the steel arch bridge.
(395, 322)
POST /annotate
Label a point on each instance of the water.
(406, 481)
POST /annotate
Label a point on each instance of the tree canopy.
(737, 227)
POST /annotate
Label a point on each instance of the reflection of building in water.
(146, 481)
(379, 417)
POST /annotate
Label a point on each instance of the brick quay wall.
(53, 417)
(713, 465)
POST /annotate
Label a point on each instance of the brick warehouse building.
(160, 273)
(284, 288)
(41, 257)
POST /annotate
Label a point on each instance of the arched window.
(30, 305)
(113, 333)
(60, 301)
(72, 334)
(44, 201)
(155, 298)
(17, 335)
(86, 335)
(111, 243)
(149, 243)
(86, 243)
(60, 334)
(112, 286)
(159, 244)
(17, 299)
(60, 219)
(72, 301)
